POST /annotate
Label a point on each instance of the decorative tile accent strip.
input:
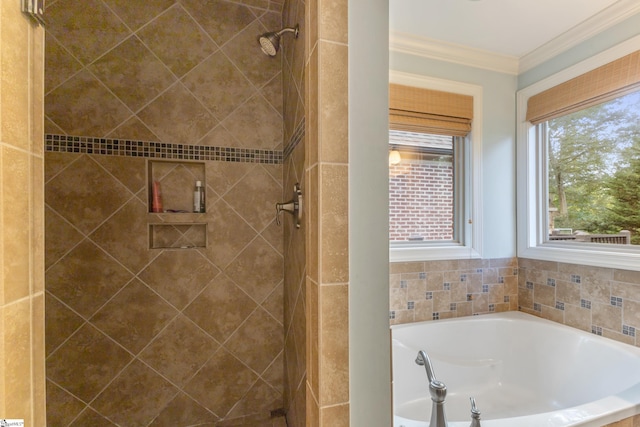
(158, 150)
(297, 136)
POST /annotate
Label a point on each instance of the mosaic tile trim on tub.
(433, 290)
(158, 150)
(603, 301)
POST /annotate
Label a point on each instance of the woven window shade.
(602, 84)
(429, 111)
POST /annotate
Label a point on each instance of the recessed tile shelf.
(177, 181)
(177, 235)
(177, 227)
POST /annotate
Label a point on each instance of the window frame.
(471, 216)
(532, 182)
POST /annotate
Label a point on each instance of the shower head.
(270, 42)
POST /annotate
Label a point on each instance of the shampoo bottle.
(198, 198)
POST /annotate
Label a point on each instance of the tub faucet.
(475, 413)
(438, 392)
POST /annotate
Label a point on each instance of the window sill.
(610, 256)
(433, 253)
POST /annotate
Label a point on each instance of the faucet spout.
(437, 390)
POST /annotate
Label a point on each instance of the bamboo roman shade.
(599, 85)
(429, 111)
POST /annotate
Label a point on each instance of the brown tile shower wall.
(294, 239)
(327, 243)
(22, 371)
(604, 301)
(433, 290)
(162, 337)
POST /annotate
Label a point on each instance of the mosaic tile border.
(158, 150)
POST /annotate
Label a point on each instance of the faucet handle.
(475, 413)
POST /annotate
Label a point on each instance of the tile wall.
(162, 337)
(294, 239)
(327, 244)
(604, 301)
(433, 290)
(22, 371)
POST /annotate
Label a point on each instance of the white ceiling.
(514, 28)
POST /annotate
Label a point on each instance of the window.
(434, 169)
(425, 176)
(579, 163)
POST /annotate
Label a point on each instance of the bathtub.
(522, 370)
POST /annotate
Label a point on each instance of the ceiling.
(512, 28)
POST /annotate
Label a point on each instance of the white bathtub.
(522, 370)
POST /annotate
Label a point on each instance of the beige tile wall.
(604, 301)
(172, 337)
(22, 373)
(327, 166)
(295, 302)
(432, 290)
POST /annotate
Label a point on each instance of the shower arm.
(288, 30)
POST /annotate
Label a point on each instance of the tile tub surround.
(433, 290)
(604, 301)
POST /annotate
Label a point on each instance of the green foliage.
(594, 168)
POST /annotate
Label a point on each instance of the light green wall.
(369, 354)
(599, 43)
(498, 144)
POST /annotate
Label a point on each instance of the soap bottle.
(198, 198)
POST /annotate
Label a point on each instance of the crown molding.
(609, 17)
(459, 54)
(451, 52)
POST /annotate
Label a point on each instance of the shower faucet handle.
(294, 206)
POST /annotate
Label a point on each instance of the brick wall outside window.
(421, 200)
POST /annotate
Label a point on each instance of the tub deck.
(522, 370)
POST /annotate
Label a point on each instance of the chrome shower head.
(270, 42)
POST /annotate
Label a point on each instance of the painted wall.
(22, 371)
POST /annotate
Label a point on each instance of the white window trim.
(472, 233)
(530, 181)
